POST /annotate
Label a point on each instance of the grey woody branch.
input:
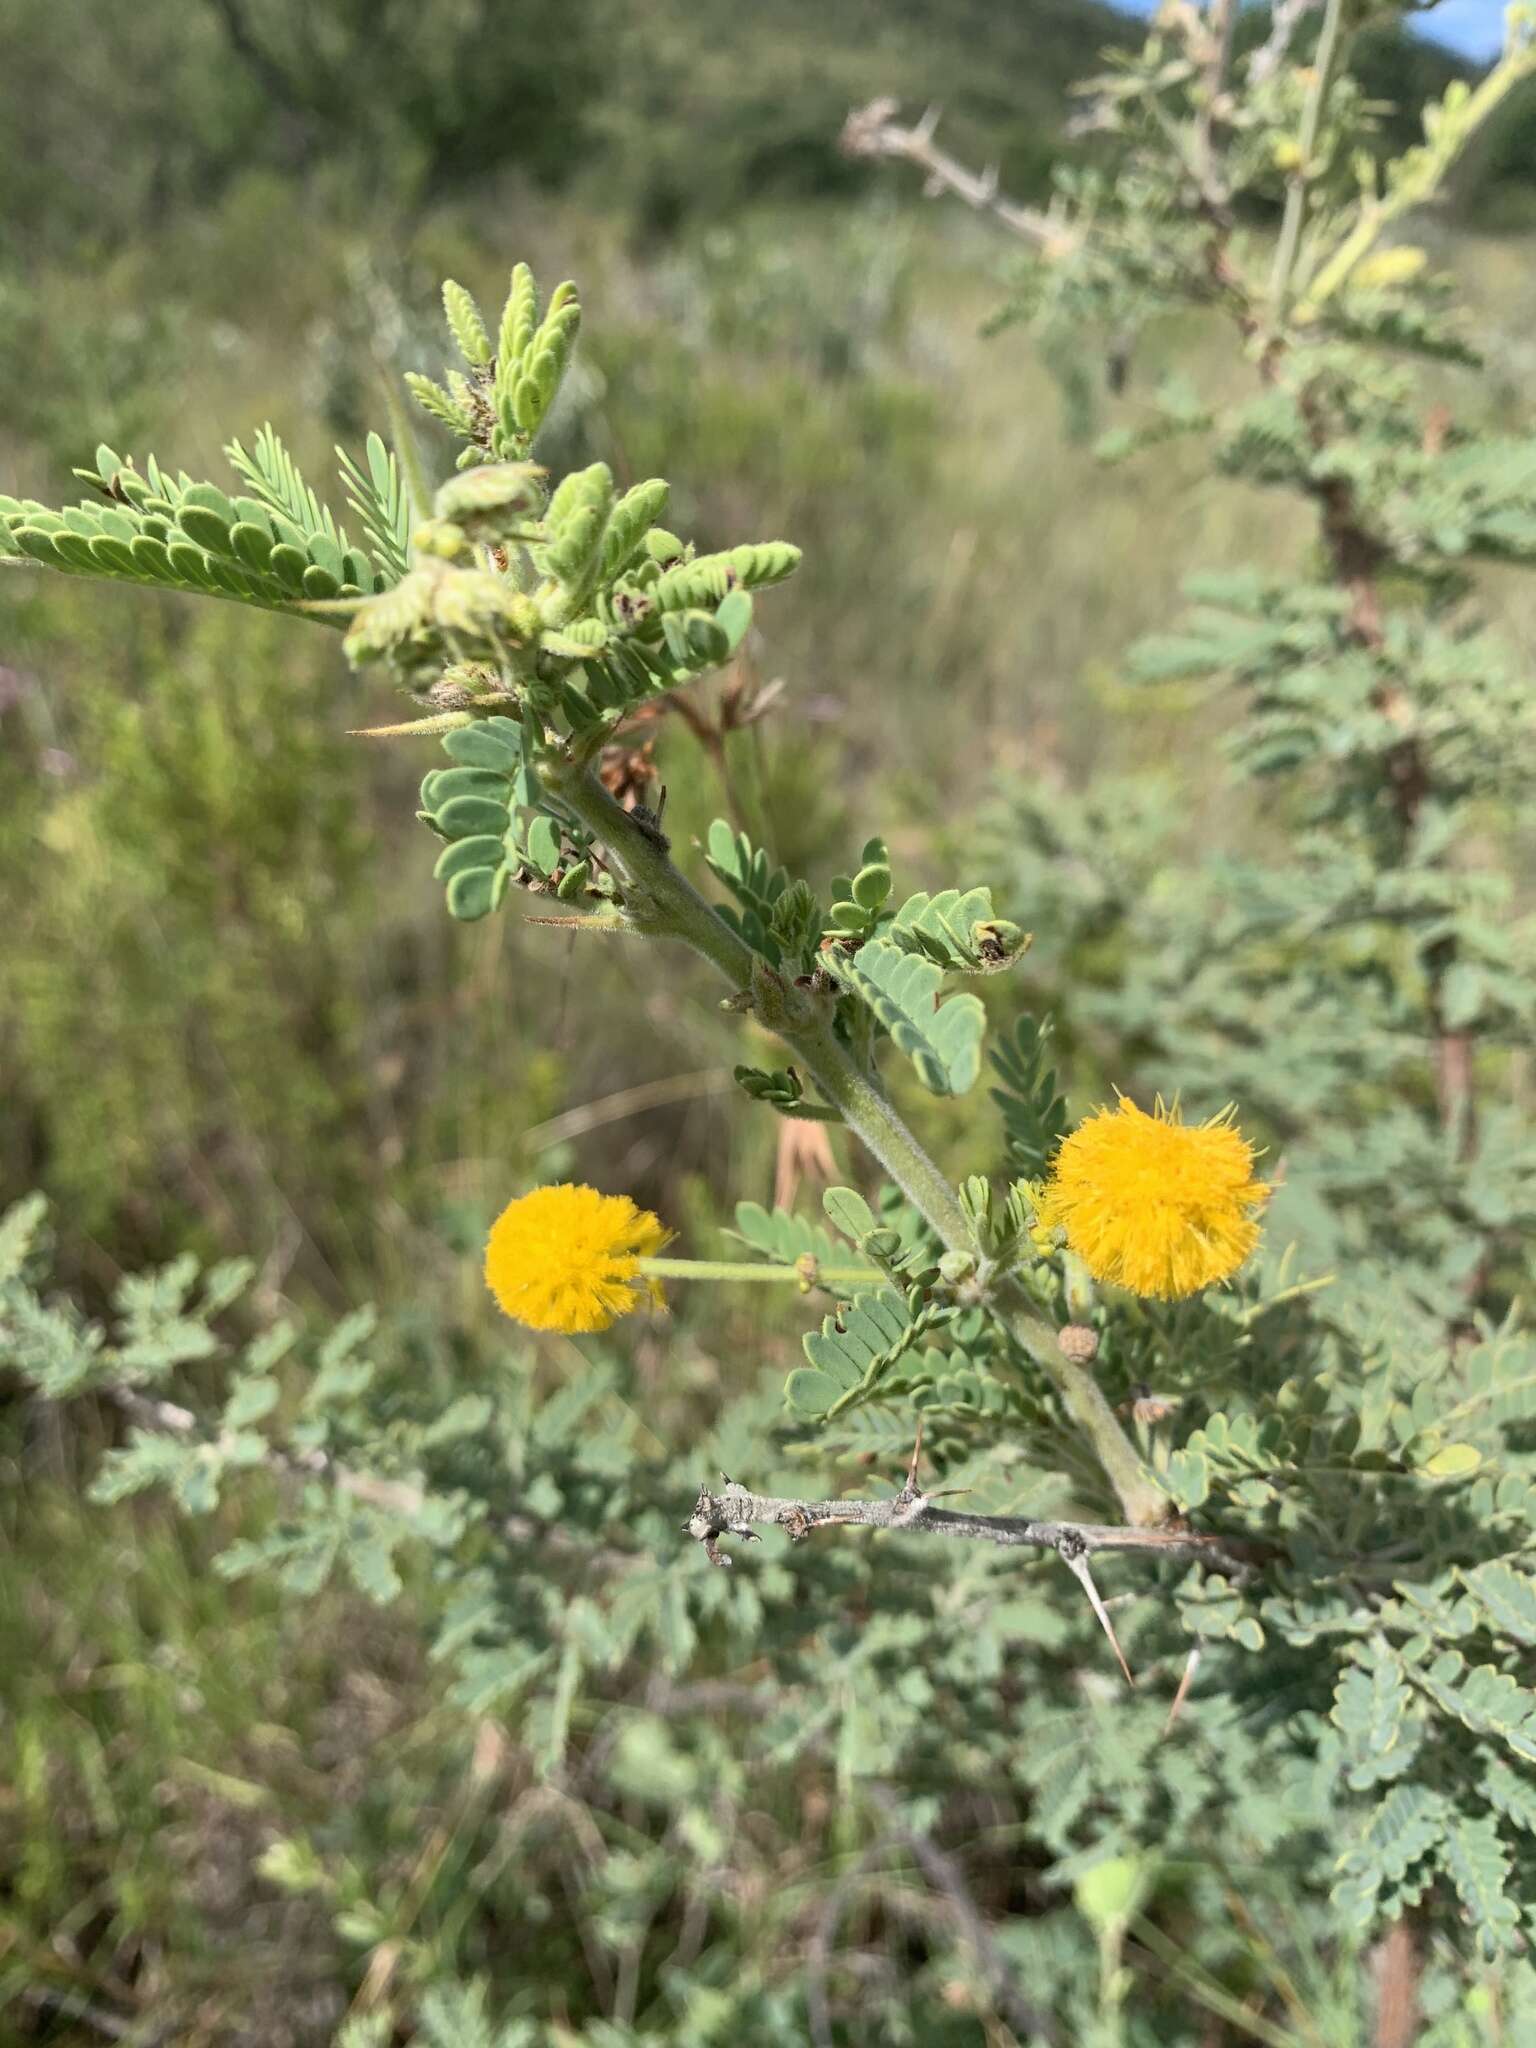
(1285, 18)
(736, 1511)
(875, 131)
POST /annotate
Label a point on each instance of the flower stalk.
(807, 1276)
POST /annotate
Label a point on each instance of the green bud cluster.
(501, 397)
(572, 604)
(557, 602)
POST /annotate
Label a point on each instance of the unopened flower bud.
(442, 538)
(1078, 1343)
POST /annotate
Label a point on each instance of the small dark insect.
(649, 820)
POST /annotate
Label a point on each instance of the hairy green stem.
(657, 897)
(814, 1275)
(1143, 1500)
(661, 901)
(868, 1111)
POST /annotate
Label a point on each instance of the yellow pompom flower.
(1154, 1204)
(567, 1258)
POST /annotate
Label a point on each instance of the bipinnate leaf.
(941, 1038)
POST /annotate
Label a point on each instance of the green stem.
(814, 1275)
(659, 900)
(1143, 1500)
(1296, 195)
(1420, 178)
(868, 1111)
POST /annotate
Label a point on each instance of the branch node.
(711, 1519)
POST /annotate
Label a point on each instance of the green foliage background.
(233, 1018)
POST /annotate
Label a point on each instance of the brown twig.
(627, 1102)
(1395, 1967)
(168, 1418)
(52, 2004)
(873, 130)
(734, 1510)
(818, 1957)
(296, 114)
(945, 1876)
(1358, 558)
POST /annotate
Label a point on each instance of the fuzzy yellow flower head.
(1150, 1203)
(567, 1258)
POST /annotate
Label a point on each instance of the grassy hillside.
(657, 114)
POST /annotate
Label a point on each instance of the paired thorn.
(911, 1491)
(1071, 1552)
(917, 1452)
(1075, 1559)
(1191, 1666)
